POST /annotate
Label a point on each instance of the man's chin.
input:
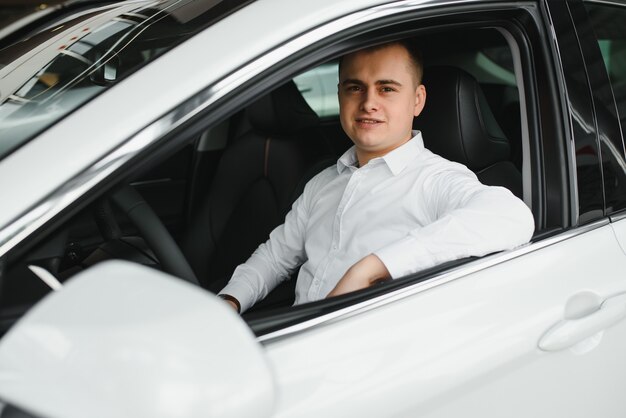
(366, 145)
(378, 142)
(369, 138)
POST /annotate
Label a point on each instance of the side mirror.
(123, 340)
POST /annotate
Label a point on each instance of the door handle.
(568, 332)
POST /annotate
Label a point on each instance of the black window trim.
(578, 107)
(600, 83)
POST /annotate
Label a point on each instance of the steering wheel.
(153, 232)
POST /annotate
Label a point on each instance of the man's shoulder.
(320, 175)
(435, 164)
(326, 173)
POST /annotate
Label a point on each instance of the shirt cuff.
(405, 256)
(240, 291)
(231, 299)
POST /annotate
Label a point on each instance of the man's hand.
(233, 305)
(362, 274)
(232, 302)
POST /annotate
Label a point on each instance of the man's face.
(378, 98)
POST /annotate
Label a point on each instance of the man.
(389, 207)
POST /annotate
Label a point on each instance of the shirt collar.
(396, 160)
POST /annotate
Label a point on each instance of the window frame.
(266, 325)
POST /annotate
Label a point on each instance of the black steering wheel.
(153, 232)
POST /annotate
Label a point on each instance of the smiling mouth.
(368, 121)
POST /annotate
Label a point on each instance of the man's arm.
(366, 272)
(271, 262)
(275, 260)
(471, 220)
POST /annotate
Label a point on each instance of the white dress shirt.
(412, 208)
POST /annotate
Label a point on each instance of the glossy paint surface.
(468, 347)
(122, 340)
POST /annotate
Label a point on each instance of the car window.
(51, 72)
(608, 24)
(319, 88)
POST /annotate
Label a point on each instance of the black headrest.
(282, 112)
(457, 122)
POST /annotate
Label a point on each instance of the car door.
(531, 332)
(485, 343)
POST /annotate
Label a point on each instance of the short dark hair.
(415, 55)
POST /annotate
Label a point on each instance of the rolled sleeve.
(405, 256)
(473, 220)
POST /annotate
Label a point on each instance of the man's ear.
(420, 99)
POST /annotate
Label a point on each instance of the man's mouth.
(369, 121)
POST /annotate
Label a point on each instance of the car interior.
(217, 197)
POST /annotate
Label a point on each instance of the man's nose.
(369, 102)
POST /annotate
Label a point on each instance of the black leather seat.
(256, 181)
(458, 124)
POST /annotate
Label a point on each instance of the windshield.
(51, 72)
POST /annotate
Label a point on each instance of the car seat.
(458, 124)
(254, 185)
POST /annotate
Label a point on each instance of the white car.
(148, 146)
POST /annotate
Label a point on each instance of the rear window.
(52, 71)
(608, 24)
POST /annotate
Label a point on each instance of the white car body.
(534, 331)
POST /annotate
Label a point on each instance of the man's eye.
(354, 88)
(387, 89)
